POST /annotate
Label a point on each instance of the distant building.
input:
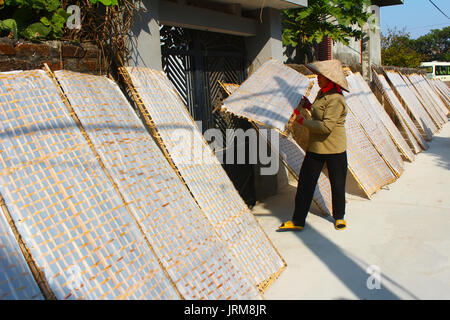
(360, 53)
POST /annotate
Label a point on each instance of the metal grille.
(195, 61)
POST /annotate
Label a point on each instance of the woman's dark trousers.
(309, 174)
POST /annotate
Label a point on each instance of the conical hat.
(330, 69)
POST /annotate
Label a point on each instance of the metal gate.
(195, 61)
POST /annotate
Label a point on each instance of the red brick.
(88, 64)
(72, 51)
(70, 64)
(7, 49)
(32, 49)
(14, 64)
(53, 65)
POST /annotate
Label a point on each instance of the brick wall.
(24, 55)
(325, 51)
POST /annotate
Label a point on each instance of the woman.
(327, 144)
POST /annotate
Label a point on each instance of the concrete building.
(199, 42)
(260, 27)
(366, 52)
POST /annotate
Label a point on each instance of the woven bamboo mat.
(378, 113)
(373, 127)
(421, 95)
(435, 93)
(292, 156)
(414, 106)
(443, 89)
(77, 228)
(204, 175)
(433, 105)
(195, 258)
(16, 280)
(269, 95)
(314, 90)
(229, 88)
(364, 162)
(414, 137)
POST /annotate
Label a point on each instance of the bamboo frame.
(75, 117)
(427, 128)
(420, 94)
(177, 253)
(394, 134)
(323, 208)
(314, 85)
(377, 144)
(36, 273)
(400, 112)
(77, 220)
(275, 123)
(262, 286)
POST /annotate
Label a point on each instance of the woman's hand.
(306, 114)
(304, 103)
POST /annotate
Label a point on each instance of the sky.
(417, 16)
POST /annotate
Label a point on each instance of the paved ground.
(404, 232)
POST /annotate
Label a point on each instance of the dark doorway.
(195, 61)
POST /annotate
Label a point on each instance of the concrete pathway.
(402, 235)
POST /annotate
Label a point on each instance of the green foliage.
(9, 26)
(32, 19)
(435, 45)
(336, 19)
(398, 49)
(36, 30)
(107, 3)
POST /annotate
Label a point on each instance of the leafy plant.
(107, 3)
(32, 19)
(9, 26)
(435, 45)
(397, 49)
(336, 19)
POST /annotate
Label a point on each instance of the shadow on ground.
(442, 152)
(350, 270)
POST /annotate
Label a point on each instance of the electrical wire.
(438, 9)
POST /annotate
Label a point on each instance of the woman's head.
(329, 71)
(322, 81)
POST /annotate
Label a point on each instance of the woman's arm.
(331, 115)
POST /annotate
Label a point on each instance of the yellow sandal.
(340, 224)
(289, 226)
